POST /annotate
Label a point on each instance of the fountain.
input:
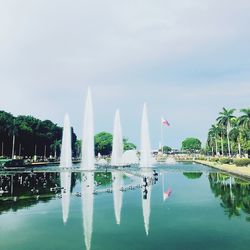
(146, 198)
(130, 157)
(88, 156)
(65, 192)
(88, 206)
(102, 162)
(170, 160)
(117, 185)
(66, 153)
(117, 148)
(146, 157)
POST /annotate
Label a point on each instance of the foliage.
(191, 144)
(225, 160)
(235, 197)
(103, 143)
(166, 149)
(231, 134)
(29, 133)
(192, 175)
(241, 162)
(128, 145)
(103, 178)
(226, 116)
(214, 159)
(201, 158)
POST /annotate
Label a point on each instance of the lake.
(181, 206)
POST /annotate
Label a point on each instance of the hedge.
(242, 162)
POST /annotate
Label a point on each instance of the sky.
(187, 59)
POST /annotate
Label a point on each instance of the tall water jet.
(146, 198)
(117, 194)
(117, 149)
(146, 157)
(65, 192)
(66, 152)
(88, 207)
(88, 156)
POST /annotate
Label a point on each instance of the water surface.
(187, 206)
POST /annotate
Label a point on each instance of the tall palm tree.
(225, 119)
(222, 134)
(244, 120)
(235, 134)
(210, 142)
(214, 132)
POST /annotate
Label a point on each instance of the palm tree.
(244, 120)
(213, 133)
(55, 147)
(222, 134)
(225, 119)
(235, 135)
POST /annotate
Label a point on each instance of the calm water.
(187, 206)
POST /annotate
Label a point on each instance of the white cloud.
(128, 51)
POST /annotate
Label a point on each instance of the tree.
(166, 149)
(191, 144)
(225, 119)
(244, 120)
(78, 147)
(128, 145)
(192, 175)
(103, 143)
(30, 133)
(214, 133)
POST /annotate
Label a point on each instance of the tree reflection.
(233, 192)
(22, 190)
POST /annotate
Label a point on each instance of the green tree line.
(30, 136)
(230, 135)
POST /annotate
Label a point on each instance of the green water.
(205, 210)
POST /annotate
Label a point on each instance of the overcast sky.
(185, 58)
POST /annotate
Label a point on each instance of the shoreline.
(243, 172)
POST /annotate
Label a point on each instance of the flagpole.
(163, 185)
(161, 137)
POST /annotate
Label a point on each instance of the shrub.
(225, 160)
(214, 159)
(201, 158)
(241, 162)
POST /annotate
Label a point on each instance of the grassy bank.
(230, 168)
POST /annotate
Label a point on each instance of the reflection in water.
(87, 206)
(65, 192)
(146, 196)
(22, 190)
(117, 194)
(168, 192)
(234, 194)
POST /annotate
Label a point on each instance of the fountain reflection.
(117, 194)
(65, 193)
(147, 182)
(87, 206)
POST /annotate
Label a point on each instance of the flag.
(167, 194)
(165, 122)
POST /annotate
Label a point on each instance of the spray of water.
(88, 156)
(117, 149)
